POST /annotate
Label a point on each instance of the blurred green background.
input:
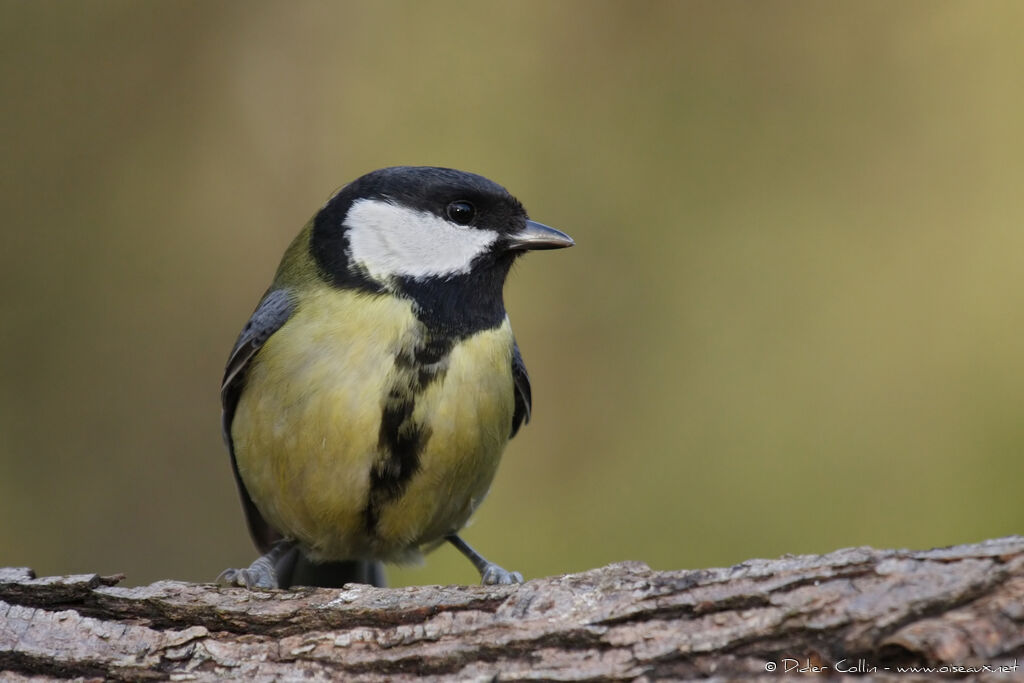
(792, 322)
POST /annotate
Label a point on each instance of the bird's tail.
(295, 569)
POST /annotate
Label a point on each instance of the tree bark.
(857, 610)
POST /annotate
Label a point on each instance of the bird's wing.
(275, 308)
(524, 399)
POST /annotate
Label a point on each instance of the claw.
(494, 575)
(262, 573)
(490, 573)
(250, 577)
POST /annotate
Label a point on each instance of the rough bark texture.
(849, 610)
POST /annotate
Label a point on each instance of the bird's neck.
(459, 306)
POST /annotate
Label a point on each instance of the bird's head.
(420, 223)
(443, 238)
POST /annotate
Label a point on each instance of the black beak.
(539, 236)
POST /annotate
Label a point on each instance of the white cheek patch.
(390, 240)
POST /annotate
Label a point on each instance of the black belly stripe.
(401, 439)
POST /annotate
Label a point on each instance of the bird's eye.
(461, 212)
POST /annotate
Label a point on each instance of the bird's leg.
(264, 572)
(490, 573)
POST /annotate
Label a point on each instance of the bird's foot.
(263, 573)
(490, 573)
(259, 574)
(493, 575)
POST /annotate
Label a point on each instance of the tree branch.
(852, 609)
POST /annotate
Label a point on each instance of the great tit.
(368, 399)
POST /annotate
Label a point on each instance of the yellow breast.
(306, 431)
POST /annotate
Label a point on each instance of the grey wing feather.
(524, 400)
(272, 312)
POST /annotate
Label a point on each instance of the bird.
(368, 400)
